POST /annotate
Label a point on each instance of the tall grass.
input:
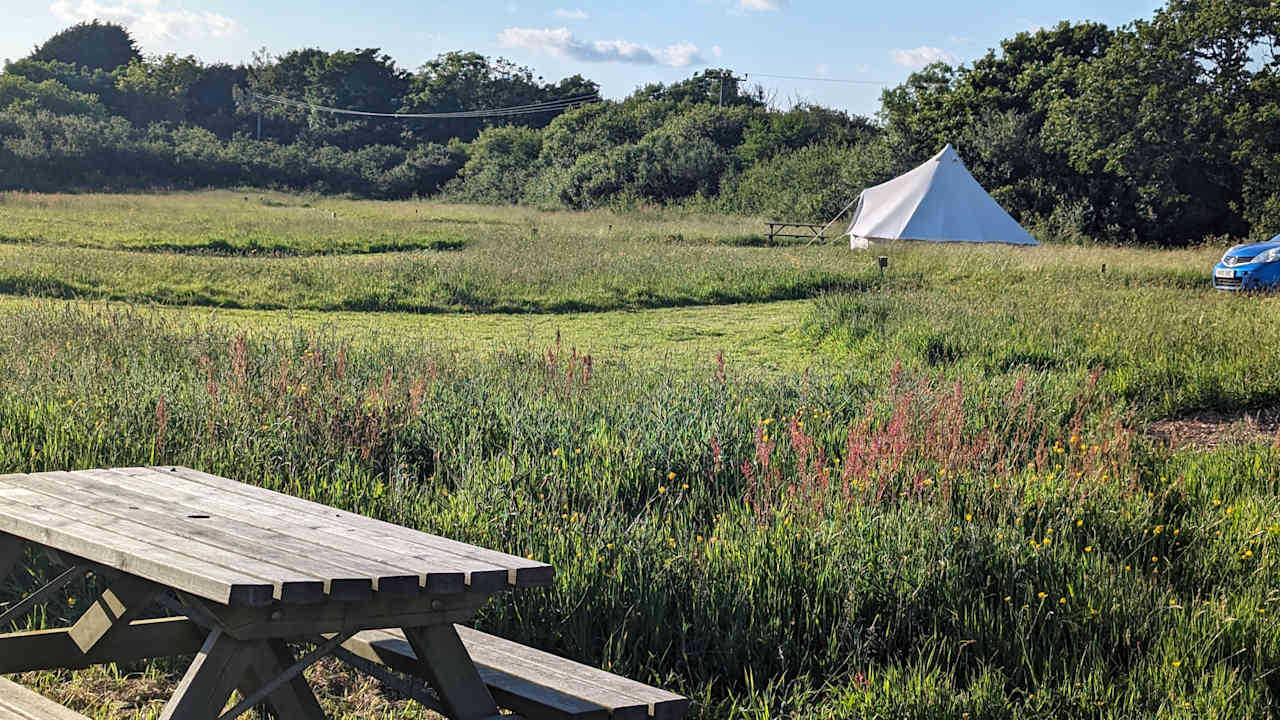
(833, 544)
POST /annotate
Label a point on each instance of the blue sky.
(621, 45)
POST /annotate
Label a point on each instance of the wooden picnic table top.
(241, 545)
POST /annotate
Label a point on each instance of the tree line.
(1163, 131)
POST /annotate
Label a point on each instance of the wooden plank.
(288, 586)
(539, 678)
(127, 597)
(526, 698)
(19, 703)
(293, 621)
(484, 568)
(614, 691)
(11, 552)
(342, 582)
(293, 701)
(128, 554)
(139, 640)
(522, 572)
(438, 571)
(443, 663)
(279, 535)
(217, 670)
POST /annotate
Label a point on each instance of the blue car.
(1255, 266)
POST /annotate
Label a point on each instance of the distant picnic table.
(810, 231)
(245, 571)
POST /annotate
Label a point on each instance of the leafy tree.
(350, 80)
(93, 45)
(458, 81)
(711, 86)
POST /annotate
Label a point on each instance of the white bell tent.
(936, 202)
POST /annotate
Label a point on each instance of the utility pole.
(723, 75)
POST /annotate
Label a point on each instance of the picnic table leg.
(10, 553)
(445, 664)
(217, 670)
(294, 700)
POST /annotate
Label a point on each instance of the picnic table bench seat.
(533, 683)
(19, 703)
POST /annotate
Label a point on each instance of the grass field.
(781, 484)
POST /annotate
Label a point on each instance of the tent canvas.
(938, 201)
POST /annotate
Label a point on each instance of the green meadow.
(770, 477)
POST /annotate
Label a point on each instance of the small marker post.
(883, 262)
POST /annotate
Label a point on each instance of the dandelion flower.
(662, 489)
(1042, 595)
(1088, 548)
(1062, 600)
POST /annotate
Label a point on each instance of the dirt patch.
(1210, 429)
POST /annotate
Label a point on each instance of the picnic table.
(246, 574)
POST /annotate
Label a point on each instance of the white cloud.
(921, 56)
(148, 20)
(578, 14)
(716, 51)
(760, 5)
(823, 70)
(561, 42)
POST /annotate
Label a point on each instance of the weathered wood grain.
(443, 662)
(19, 703)
(125, 600)
(522, 571)
(391, 570)
(139, 640)
(160, 564)
(104, 531)
(534, 683)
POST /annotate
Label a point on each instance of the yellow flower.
(684, 486)
(1088, 548)
(1062, 600)
(1079, 523)
(968, 517)
(662, 489)
(671, 476)
(699, 538)
(1042, 595)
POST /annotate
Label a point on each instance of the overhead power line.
(530, 109)
(826, 79)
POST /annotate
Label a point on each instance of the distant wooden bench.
(808, 231)
(19, 703)
(535, 684)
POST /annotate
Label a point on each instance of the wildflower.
(1062, 600)
(1173, 603)
(684, 486)
(555, 453)
(1216, 501)
(1176, 663)
(609, 546)
(699, 538)
(968, 517)
(997, 486)
(1007, 598)
(1042, 595)
(577, 451)
(1155, 559)
(1088, 548)
(662, 489)
(671, 476)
